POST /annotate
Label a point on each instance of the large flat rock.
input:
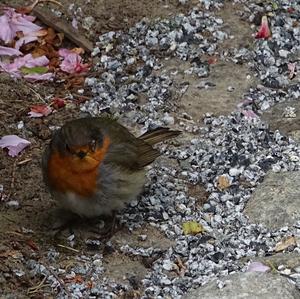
(275, 203)
(287, 125)
(251, 285)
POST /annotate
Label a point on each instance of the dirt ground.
(23, 229)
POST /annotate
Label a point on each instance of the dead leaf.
(33, 70)
(32, 245)
(285, 243)
(223, 182)
(192, 228)
(74, 82)
(16, 254)
(212, 60)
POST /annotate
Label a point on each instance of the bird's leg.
(59, 220)
(107, 233)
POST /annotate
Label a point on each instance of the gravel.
(239, 148)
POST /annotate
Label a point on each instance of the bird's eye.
(93, 145)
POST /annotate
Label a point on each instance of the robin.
(94, 166)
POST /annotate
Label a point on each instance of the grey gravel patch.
(247, 286)
(275, 203)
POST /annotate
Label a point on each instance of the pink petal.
(14, 144)
(7, 33)
(21, 23)
(249, 114)
(30, 37)
(9, 68)
(72, 62)
(39, 77)
(27, 61)
(75, 23)
(38, 61)
(292, 69)
(30, 61)
(39, 111)
(25, 40)
(264, 31)
(9, 51)
(64, 52)
(58, 103)
(257, 267)
(12, 22)
(35, 114)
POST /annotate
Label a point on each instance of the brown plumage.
(95, 165)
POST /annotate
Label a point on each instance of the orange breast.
(72, 174)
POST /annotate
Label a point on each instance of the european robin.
(94, 166)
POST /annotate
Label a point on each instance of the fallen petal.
(24, 24)
(292, 69)
(264, 30)
(58, 103)
(30, 37)
(27, 61)
(25, 40)
(39, 77)
(257, 267)
(72, 62)
(14, 144)
(39, 111)
(249, 114)
(7, 34)
(38, 61)
(9, 51)
(12, 22)
(75, 23)
(64, 52)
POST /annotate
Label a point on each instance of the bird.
(94, 166)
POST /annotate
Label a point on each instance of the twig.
(82, 96)
(61, 283)
(36, 288)
(37, 95)
(67, 247)
(36, 2)
(8, 219)
(15, 233)
(12, 183)
(24, 161)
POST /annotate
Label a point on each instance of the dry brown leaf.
(53, 38)
(16, 254)
(223, 182)
(32, 245)
(285, 243)
(78, 51)
(74, 82)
